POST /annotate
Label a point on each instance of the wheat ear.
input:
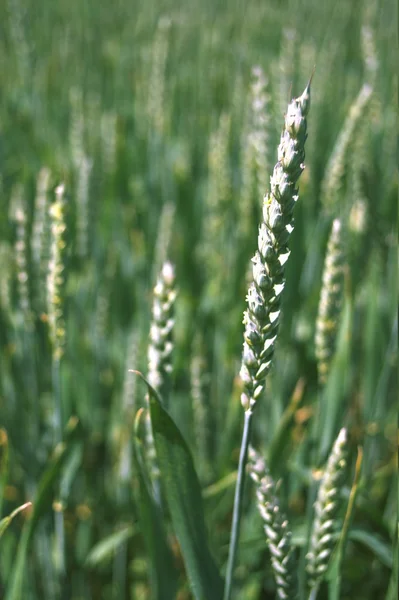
(327, 505)
(276, 526)
(330, 302)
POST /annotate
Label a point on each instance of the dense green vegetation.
(162, 122)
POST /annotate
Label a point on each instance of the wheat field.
(187, 238)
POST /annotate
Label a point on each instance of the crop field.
(198, 300)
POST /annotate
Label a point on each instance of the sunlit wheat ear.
(276, 526)
(327, 323)
(160, 352)
(327, 507)
(332, 183)
(55, 277)
(161, 343)
(262, 317)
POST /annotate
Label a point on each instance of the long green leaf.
(163, 572)
(183, 494)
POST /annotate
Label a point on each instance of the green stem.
(313, 593)
(238, 496)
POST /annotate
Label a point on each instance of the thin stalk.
(59, 516)
(237, 510)
(313, 593)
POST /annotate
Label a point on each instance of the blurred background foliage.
(145, 111)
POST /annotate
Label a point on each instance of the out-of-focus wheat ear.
(55, 277)
(156, 113)
(128, 408)
(369, 53)
(109, 138)
(16, 20)
(55, 304)
(200, 408)
(40, 238)
(330, 303)
(19, 215)
(76, 127)
(255, 149)
(213, 246)
(276, 526)
(260, 132)
(331, 187)
(286, 66)
(6, 261)
(82, 206)
(327, 507)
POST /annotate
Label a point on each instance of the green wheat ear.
(330, 302)
(327, 506)
(276, 526)
(332, 183)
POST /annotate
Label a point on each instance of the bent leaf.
(183, 494)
